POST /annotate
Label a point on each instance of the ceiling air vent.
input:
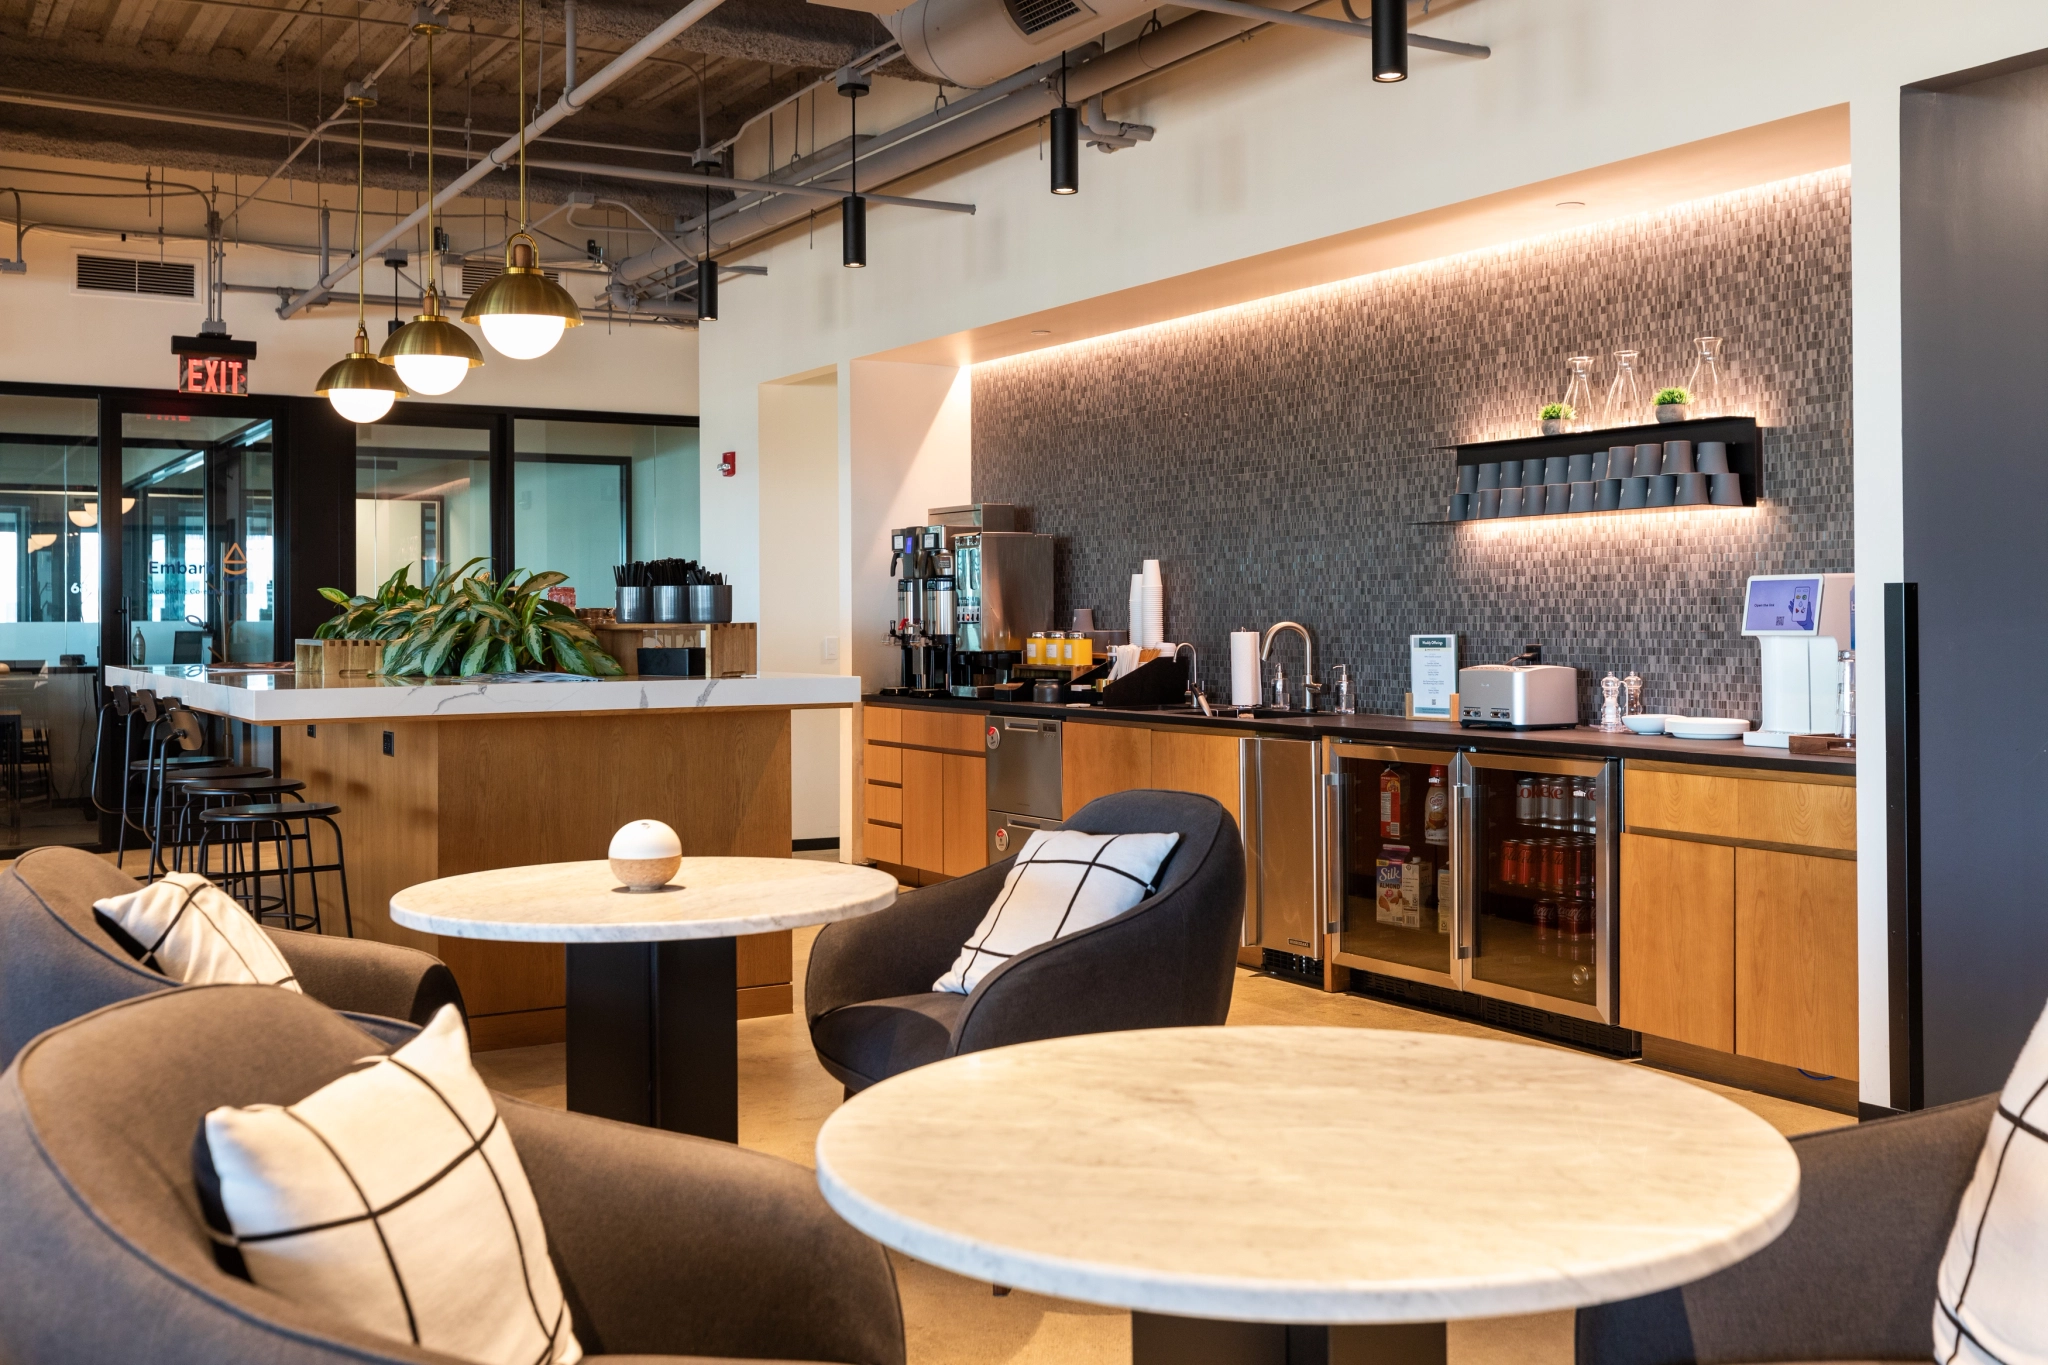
(119, 275)
(477, 274)
(1035, 16)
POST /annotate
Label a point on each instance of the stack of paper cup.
(1244, 668)
(1155, 605)
(1137, 609)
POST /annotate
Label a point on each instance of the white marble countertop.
(583, 902)
(282, 699)
(1308, 1175)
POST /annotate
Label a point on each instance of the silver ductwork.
(975, 43)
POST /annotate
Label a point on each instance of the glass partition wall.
(590, 495)
(423, 499)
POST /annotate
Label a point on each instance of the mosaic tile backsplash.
(1282, 459)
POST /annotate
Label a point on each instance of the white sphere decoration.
(645, 854)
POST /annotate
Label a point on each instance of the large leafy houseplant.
(467, 623)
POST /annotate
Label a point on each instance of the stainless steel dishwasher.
(1023, 781)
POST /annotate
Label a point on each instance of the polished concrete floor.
(785, 1096)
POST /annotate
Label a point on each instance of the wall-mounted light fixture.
(1390, 40)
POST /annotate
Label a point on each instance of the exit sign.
(213, 364)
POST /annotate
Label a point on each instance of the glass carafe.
(1705, 385)
(1624, 399)
(1578, 395)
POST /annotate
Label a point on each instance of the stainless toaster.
(1518, 696)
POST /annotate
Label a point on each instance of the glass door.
(1540, 845)
(1391, 815)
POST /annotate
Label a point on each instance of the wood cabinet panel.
(1096, 760)
(966, 814)
(883, 763)
(882, 722)
(885, 843)
(1800, 813)
(1678, 940)
(945, 730)
(924, 809)
(1680, 802)
(763, 960)
(1187, 761)
(1795, 961)
(885, 803)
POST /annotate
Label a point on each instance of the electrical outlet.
(828, 649)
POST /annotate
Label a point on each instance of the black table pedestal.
(1157, 1339)
(654, 1034)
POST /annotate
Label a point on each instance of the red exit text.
(213, 374)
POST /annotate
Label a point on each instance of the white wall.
(1281, 141)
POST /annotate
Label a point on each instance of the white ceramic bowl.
(1646, 725)
(1705, 727)
(645, 854)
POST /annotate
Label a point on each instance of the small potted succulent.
(1672, 404)
(1554, 416)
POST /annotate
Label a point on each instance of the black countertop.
(1580, 742)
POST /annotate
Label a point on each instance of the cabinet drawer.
(1681, 802)
(884, 764)
(945, 730)
(882, 722)
(1804, 814)
(885, 803)
(885, 842)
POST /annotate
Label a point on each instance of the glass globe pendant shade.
(430, 353)
(522, 312)
(361, 388)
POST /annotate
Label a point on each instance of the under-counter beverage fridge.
(1475, 872)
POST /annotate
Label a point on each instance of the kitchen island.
(446, 776)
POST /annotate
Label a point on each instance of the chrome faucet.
(1311, 689)
(1194, 669)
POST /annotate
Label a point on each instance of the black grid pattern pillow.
(193, 932)
(1063, 881)
(391, 1199)
(1993, 1285)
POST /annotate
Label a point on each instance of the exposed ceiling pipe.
(724, 182)
(568, 47)
(568, 104)
(865, 63)
(1107, 135)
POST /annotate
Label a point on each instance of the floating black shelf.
(1741, 435)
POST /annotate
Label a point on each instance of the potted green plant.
(466, 623)
(1554, 416)
(1672, 404)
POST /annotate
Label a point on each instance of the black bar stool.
(174, 810)
(241, 871)
(283, 815)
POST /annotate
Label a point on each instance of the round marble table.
(653, 1029)
(1215, 1180)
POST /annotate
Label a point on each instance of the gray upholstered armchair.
(1168, 961)
(668, 1247)
(56, 963)
(1853, 1277)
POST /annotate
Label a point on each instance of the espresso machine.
(969, 589)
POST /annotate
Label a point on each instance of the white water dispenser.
(1802, 624)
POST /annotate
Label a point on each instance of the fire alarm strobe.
(729, 463)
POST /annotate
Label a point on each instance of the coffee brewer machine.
(969, 589)
(1805, 627)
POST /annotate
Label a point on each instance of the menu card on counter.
(1432, 674)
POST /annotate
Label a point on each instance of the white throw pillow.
(391, 1199)
(1995, 1271)
(193, 932)
(1063, 881)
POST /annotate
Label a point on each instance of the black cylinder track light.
(853, 210)
(1066, 141)
(853, 232)
(707, 290)
(1390, 40)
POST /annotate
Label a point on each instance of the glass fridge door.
(1391, 816)
(1539, 877)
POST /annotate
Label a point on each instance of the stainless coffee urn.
(969, 589)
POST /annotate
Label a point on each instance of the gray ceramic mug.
(1511, 502)
(1486, 503)
(1556, 469)
(1692, 490)
(1725, 490)
(1621, 461)
(1582, 496)
(1489, 476)
(1607, 495)
(1663, 490)
(1635, 492)
(1649, 460)
(1557, 497)
(1578, 468)
(1468, 478)
(1678, 457)
(1510, 474)
(1711, 457)
(1461, 506)
(1598, 469)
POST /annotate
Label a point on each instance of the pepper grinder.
(1634, 685)
(1610, 705)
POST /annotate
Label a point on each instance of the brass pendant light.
(523, 312)
(431, 354)
(361, 388)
